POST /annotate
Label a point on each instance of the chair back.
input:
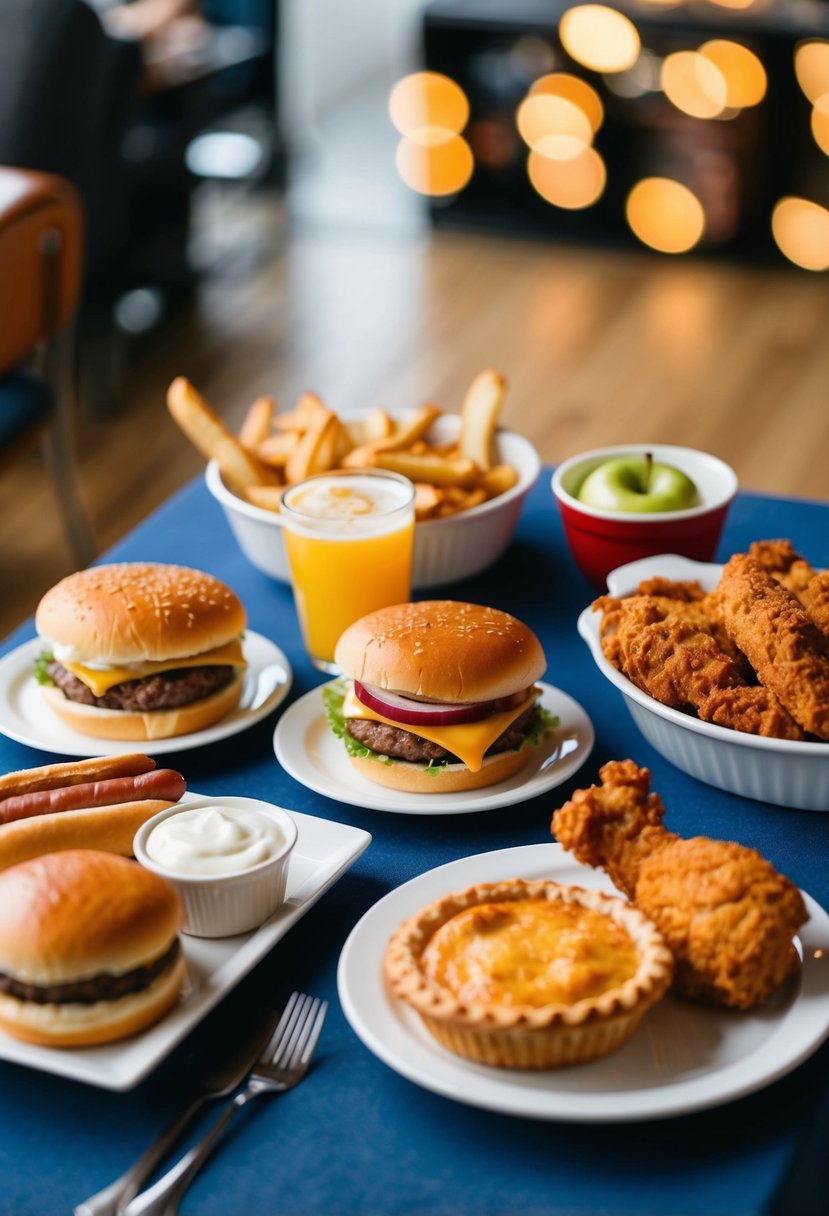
(41, 259)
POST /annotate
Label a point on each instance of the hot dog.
(98, 803)
(74, 772)
(162, 783)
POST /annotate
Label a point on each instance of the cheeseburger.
(89, 948)
(141, 650)
(442, 696)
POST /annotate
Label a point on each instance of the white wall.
(331, 47)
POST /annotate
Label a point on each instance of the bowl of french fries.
(470, 476)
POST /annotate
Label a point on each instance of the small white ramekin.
(222, 905)
(445, 549)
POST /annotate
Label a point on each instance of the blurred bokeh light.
(744, 75)
(801, 230)
(599, 38)
(572, 184)
(811, 65)
(433, 161)
(665, 215)
(428, 99)
(553, 126)
(694, 84)
(572, 89)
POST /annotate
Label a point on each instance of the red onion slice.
(427, 713)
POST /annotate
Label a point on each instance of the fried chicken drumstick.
(728, 916)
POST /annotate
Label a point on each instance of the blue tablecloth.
(356, 1138)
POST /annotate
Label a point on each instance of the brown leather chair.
(41, 271)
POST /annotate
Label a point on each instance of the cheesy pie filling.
(529, 952)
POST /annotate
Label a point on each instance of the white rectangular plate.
(323, 852)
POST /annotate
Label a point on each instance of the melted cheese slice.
(469, 741)
(100, 681)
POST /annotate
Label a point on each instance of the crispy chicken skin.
(815, 600)
(782, 643)
(779, 559)
(728, 916)
(674, 658)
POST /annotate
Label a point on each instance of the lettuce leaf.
(41, 663)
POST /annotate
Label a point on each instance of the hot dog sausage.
(161, 783)
(75, 772)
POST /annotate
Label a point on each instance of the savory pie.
(529, 974)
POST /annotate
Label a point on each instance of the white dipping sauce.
(214, 840)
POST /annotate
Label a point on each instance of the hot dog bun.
(109, 828)
(89, 948)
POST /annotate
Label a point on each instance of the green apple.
(637, 483)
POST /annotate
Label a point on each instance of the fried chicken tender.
(783, 645)
(779, 559)
(815, 599)
(728, 916)
(676, 660)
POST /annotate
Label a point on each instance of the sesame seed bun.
(131, 612)
(72, 917)
(442, 650)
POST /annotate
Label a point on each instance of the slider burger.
(141, 650)
(89, 948)
(442, 696)
(98, 803)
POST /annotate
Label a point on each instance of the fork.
(282, 1065)
(219, 1083)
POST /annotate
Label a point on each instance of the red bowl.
(601, 540)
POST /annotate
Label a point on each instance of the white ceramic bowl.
(783, 771)
(445, 549)
(222, 905)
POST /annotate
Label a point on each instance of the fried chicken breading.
(783, 645)
(676, 660)
(728, 916)
(815, 600)
(779, 559)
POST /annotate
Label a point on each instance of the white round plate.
(307, 748)
(683, 1057)
(25, 716)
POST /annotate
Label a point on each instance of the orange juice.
(349, 538)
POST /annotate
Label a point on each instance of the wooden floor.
(598, 348)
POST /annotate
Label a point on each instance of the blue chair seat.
(25, 402)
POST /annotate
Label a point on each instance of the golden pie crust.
(523, 974)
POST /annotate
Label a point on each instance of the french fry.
(305, 413)
(427, 499)
(462, 502)
(269, 497)
(277, 449)
(257, 424)
(377, 424)
(479, 417)
(407, 432)
(498, 479)
(429, 468)
(208, 433)
(315, 451)
(364, 457)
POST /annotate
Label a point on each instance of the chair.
(41, 271)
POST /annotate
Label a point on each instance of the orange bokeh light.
(665, 215)
(694, 84)
(744, 75)
(811, 66)
(434, 161)
(554, 126)
(428, 99)
(572, 89)
(571, 184)
(820, 123)
(801, 230)
(599, 37)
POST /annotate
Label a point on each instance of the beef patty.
(166, 691)
(103, 987)
(404, 745)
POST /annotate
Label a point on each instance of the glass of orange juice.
(349, 538)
